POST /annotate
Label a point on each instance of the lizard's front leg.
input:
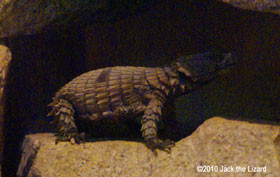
(149, 126)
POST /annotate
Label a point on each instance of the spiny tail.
(63, 113)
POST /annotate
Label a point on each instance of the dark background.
(44, 62)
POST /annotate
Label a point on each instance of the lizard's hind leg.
(64, 112)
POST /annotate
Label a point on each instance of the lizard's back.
(111, 92)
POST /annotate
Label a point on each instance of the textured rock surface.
(217, 142)
(5, 58)
(29, 17)
(272, 6)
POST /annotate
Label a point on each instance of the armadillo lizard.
(112, 93)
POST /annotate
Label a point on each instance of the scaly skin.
(114, 92)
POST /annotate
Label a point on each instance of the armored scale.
(114, 92)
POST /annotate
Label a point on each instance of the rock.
(5, 58)
(28, 17)
(215, 144)
(272, 6)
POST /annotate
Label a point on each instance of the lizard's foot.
(154, 143)
(74, 138)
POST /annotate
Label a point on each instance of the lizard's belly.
(116, 113)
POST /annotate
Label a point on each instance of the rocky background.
(271, 6)
(220, 143)
(5, 58)
(53, 41)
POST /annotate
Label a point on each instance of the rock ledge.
(216, 143)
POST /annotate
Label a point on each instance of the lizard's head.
(201, 68)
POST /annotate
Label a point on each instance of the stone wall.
(220, 147)
(271, 6)
(5, 58)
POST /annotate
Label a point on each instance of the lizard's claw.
(74, 138)
(159, 144)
